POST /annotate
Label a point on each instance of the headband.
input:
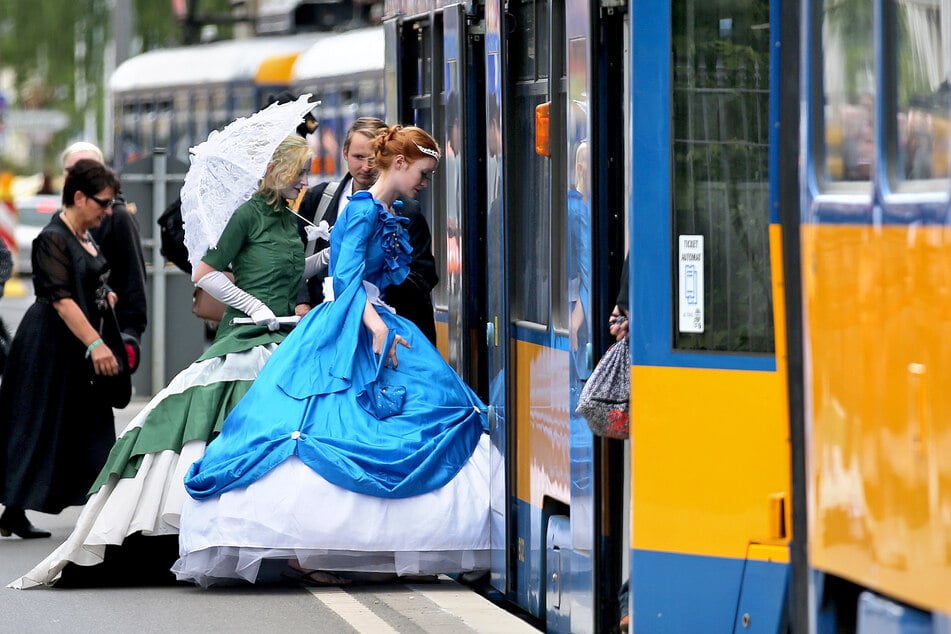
(425, 150)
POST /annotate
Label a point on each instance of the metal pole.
(159, 308)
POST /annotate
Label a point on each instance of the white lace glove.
(316, 263)
(221, 288)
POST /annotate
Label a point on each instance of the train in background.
(173, 98)
(776, 174)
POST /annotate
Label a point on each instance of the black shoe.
(14, 521)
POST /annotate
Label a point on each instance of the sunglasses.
(102, 203)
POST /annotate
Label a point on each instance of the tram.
(173, 98)
(776, 175)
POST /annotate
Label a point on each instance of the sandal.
(317, 578)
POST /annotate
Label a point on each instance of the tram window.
(530, 178)
(530, 39)
(200, 110)
(245, 102)
(163, 122)
(181, 129)
(848, 86)
(144, 124)
(720, 187)
(529, 183)
(923, 93)
(220, 115)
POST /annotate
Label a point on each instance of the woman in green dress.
(139, 493)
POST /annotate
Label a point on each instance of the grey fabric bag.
(606, 396)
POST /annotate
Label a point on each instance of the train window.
(720, 187)
(848, 84)
(923, 93)
(220, 113)
(530, 38)
(419, 90)
(245, 101)
(163, 122)
(144, 124)
(182, 138)
(529, 173)
(201, 120)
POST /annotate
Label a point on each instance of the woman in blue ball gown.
(357, 448)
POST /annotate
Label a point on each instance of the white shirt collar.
(345, 196)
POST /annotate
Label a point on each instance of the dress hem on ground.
(227, 538)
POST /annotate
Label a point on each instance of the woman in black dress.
(56, 424)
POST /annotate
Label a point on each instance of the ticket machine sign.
(690, 305)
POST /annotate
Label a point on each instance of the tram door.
(536, 112)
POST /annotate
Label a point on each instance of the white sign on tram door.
(690, 306)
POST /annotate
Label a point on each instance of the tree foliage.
(57, 52)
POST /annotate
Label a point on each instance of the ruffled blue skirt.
(324, 397)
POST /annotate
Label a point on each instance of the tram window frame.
(720, 173)
(894, 75)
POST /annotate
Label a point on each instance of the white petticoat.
(292, 512)
(151, 502)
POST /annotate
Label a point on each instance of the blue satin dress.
(324, 396)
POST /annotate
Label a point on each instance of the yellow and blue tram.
(776, 174)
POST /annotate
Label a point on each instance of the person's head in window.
(358, 151)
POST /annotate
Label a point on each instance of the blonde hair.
(408, 141)
(290, 157)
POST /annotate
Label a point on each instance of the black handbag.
(117, 390)
(606, 396)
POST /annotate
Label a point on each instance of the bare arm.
(380, 331)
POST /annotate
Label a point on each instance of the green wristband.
(90, 347)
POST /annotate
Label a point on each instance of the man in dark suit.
(413, 298)
(119, 238)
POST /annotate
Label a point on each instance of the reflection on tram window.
(721, 180)
(848, 86)
(923, 91)
(531, 232)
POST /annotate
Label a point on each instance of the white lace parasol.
(227, 169)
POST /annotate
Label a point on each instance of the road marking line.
(473, 609)
(360, 617)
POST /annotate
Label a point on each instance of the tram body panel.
(710, 490)
(710, 462)
(879, 335)
(875, 240)
(543, 435)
